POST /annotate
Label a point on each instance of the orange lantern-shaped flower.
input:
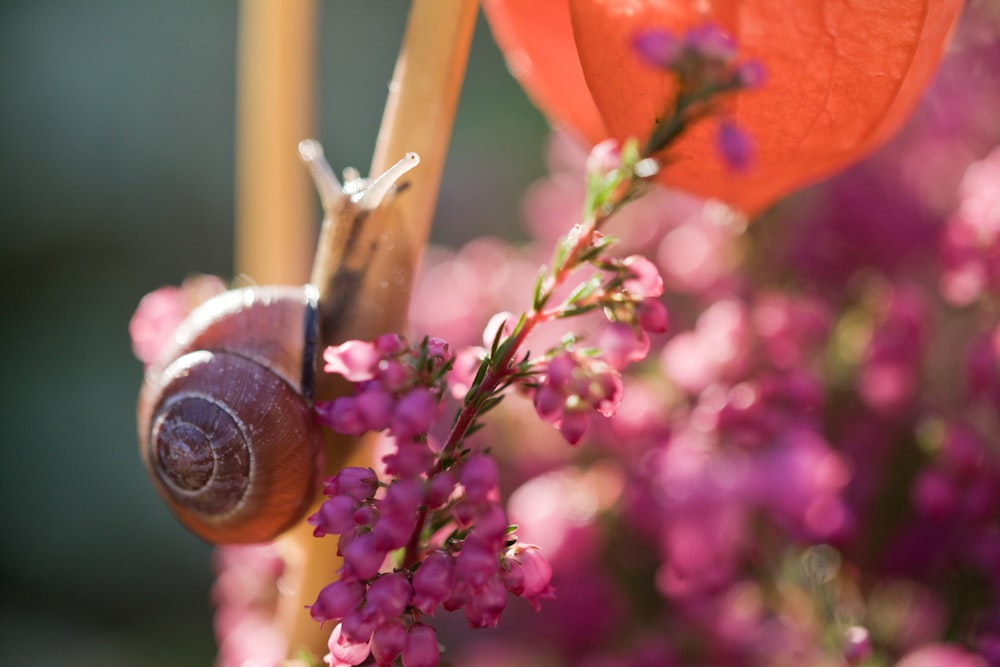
(842, 77)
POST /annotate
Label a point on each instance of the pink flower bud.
(375, 408)
(537, 574)
(484, 607)
(657, 47)
(358, 626)
(573, 426)
(341, 415)
(652, 316)
(560, 369)
(549, 402)
(335, 516)
(479, 476)
(153, 324)
(604, 158)
(735, 146)
(393, 376)
(356, 360)
(620, 345)
(389, 345)
(643, 281)
(388, 642)
(337, 600)
(388, 596)
(433, 581)
(476, 562)
(491, 524)
(344, 651)
(438, 348)
(513, 577)
(411, 459)
(421, 647)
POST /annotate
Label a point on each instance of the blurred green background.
(116, 164)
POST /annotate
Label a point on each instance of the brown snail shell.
(226, 426)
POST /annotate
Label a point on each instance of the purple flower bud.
(341, 415)
(433, 581)
(415, 412)
(388, 596)
(356, 360)
(388, 642)
(362, 556)
(375, 408)
(335, 516)
(412, 458)
(421, 647)
(735, 146)
(711, 42)
(337, 600)
(476, 562)
(389, 345)
(358, 626)
(479, 476)
(491, 524)
(644, 280)
(356, 482)
(657, 47)
(440, 489)
(438, 348)
(394, 376)
(393, 531)
(345, 651)
(484, 608)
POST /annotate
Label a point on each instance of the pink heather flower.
(337, 600)
(549, 402)
(362, 558)
(358, 626)
(735, 146)
(476, 563)
(941, 655)
(335, 516)
(390, 345)
(388, 642)
(393, 376)
(651, 315)
(344, 651)
(537, 574)
(342, 415)
(479, 476)
(644, 281)
(433, 582)
(354, 481)
(573, 425)
(491, 523)
(356, 360)
(415, 412)
(374, 408)
(421, 647)
(621, 345)
(440, 489)
(484, 607)
(388, 596)
(438, 348)
(513, 577)
(657, 47)
(412, 458)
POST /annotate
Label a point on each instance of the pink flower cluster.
(437, 510)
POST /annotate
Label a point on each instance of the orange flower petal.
(537, 40)
(841, 78)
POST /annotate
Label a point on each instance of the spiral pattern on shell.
(225, 432)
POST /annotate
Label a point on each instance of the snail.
(225, 417)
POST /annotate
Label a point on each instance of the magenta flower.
(356, 360)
